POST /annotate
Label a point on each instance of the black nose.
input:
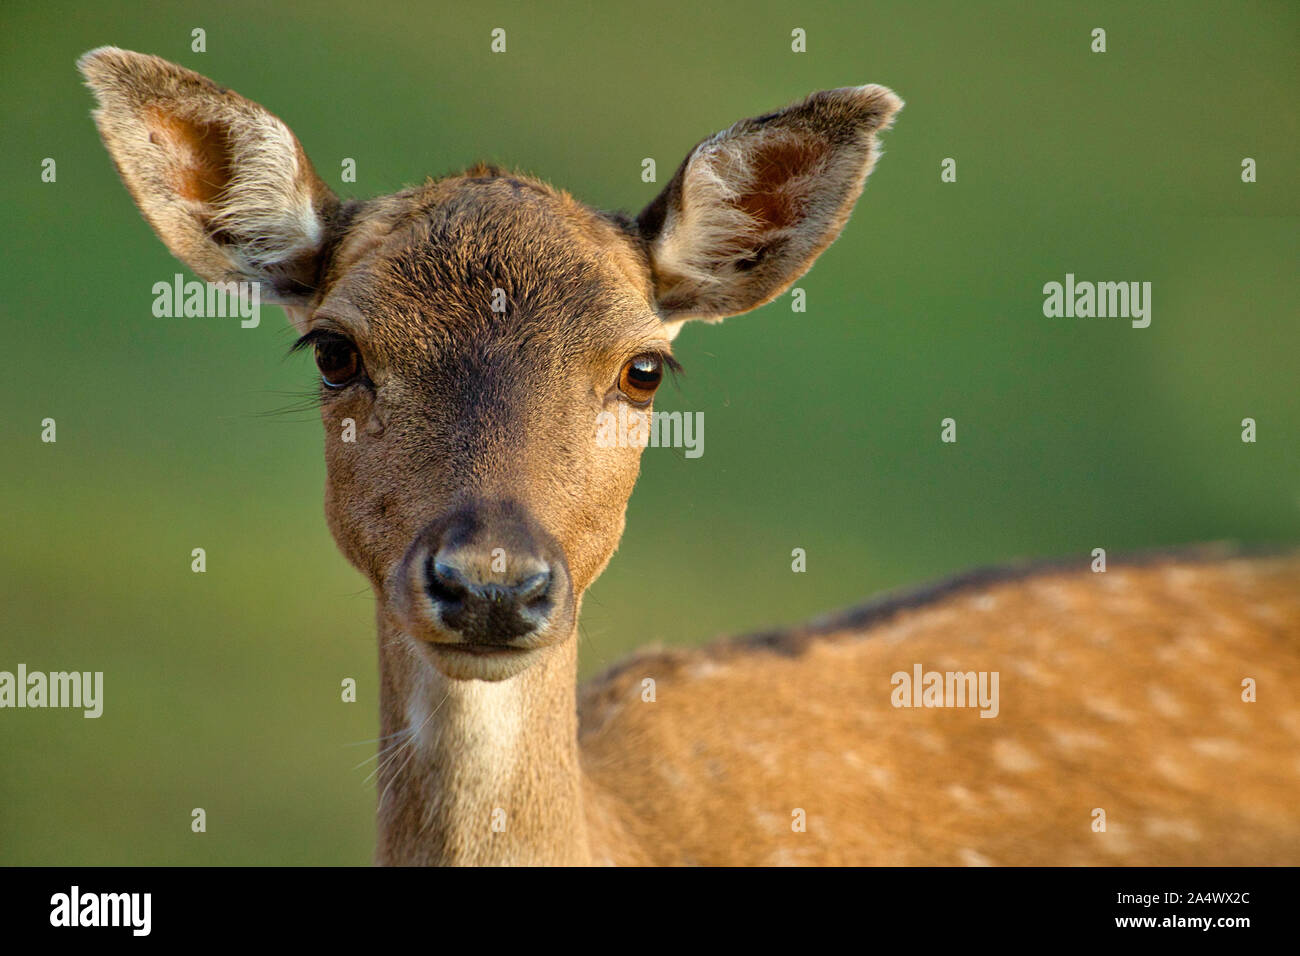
(484, 607)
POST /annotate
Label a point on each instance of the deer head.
(473, 329)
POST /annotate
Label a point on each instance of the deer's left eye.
(640, 377)
(338, 360)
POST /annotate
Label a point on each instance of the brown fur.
(490, 414)
(1120, 691)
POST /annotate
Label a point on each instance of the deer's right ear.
(224, 183)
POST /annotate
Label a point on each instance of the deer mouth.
(480, 650)
(469, 661)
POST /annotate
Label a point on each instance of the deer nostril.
(447, 585)
(444, 582)
(533, 589)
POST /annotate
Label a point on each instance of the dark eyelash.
(315, 337)
(671, 364)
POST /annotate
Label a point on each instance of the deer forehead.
(480, 265)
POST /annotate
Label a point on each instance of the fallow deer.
(480, 507)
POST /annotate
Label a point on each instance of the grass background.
(822, 429)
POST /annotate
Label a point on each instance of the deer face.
(471, 332)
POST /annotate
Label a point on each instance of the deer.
(1145, 715)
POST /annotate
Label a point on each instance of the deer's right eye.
(338, 360)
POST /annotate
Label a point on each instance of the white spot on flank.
(1060, 596)
(880, 777)
(670, 775)
(1159, 828)
(1033, 672)
(1164, 702)
(1013, 757)
(962, 796)
(1182, 579)
(1115, 839)
(971, 857)
(1077, 739)
(783, 856)
(930, 740)
(704, 668)
(1008, 800)
(1194, 646)
(1218, 748)
(1172, 770)
(1109, 708)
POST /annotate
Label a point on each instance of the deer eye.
(640, 377)
(338, 360)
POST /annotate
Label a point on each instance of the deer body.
(475, 329)
(1120, 691)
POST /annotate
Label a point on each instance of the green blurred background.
(822, 429)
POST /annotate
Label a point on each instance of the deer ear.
(224, 183)
(752, 207)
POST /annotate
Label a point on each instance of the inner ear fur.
(751, 207)
(223, 182)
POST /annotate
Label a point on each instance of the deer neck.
(479, 772)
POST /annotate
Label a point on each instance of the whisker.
(307, 400)
(389, 753)
(383, 796)
(360, 743)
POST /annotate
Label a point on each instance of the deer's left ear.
(223, 182)
(752, 207)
